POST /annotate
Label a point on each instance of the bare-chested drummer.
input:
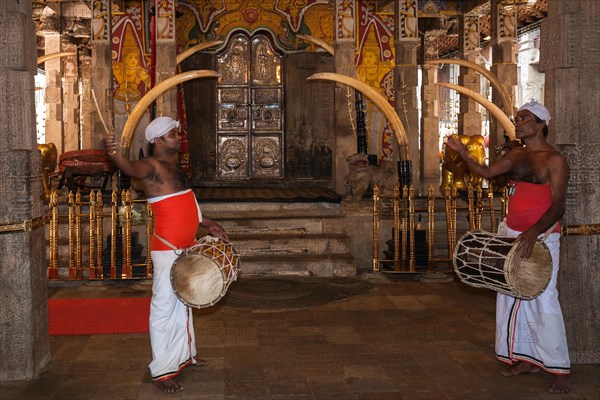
(176, 218)
(530, 334)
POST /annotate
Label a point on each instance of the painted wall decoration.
(203, 21)
(444, 7)
(507, 22)
(408, 20)
(345, 19)
(99, 22)
(165, 20)
(130, 67)
(374, 65)
(471, 36)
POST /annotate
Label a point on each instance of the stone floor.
(391, 338)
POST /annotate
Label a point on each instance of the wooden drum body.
(485, 259)
(201, 275)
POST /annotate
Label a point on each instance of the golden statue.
(128, 72)
(455, 171)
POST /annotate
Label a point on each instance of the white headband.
(159, 127)
(537, 109)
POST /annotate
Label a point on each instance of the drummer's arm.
(213, 228)
(498, 167)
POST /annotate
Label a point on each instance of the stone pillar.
(469, 117)
(406, 79)
(570, 58)
(166, 56)
(100, 74)
(87, 107)
(504, 38)
(70, 90)
(54, 93)
(24, 344)
(345, 136)
(430, 119)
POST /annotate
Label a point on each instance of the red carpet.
(67, 317)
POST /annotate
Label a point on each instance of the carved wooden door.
(249, 112)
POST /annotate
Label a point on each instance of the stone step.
(315, 265)
(266, 245)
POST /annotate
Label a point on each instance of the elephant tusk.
(153, 94)
(496, 112)
(185, 54)
(51, 56)
(319, 42)
(376, 98)
(494, 80)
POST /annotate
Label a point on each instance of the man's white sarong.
(171, 324)
(534, 330)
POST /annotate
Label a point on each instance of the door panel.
(249, 117)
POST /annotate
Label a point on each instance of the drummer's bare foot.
(520, 368)
(168, 386)
(199, 362)
(560, 384)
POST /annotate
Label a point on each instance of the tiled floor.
(402, 339)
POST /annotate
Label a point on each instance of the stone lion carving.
(361, 176)
(455, 172)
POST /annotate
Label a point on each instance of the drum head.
(529, 278)
(197, 280)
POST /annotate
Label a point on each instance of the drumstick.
(101, 118)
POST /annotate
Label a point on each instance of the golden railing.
(78, 218)
(483, 209)
(77, 227)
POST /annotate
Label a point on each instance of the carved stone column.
(70, 96)
(406, 79)
(570, 58)
(430, 119)
(166, 56)
(504, 38)
(54, 93)
(100, 73)
(24, 345)
(469, 117)
(345, 137)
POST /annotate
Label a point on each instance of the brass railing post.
(376, 228)
(396, 230)
(491, 208)
(471, 205)
(114, 215)
(430, 227)
(126, 233)
(411, 223)
(53, 229)
(99, 235)
(92, 235)
(71, 198)
(78, 234)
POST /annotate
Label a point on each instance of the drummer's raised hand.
(213, 228)
(110, 143)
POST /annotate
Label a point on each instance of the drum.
(485, 259)
(201, 275)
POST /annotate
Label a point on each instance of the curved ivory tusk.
(496, 112)
(494, 80)
(375, 97)
(185, 54)
(153, 94)
(51, 56)
(319, 42)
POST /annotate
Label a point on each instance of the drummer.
(176, 218)
(530, 334)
